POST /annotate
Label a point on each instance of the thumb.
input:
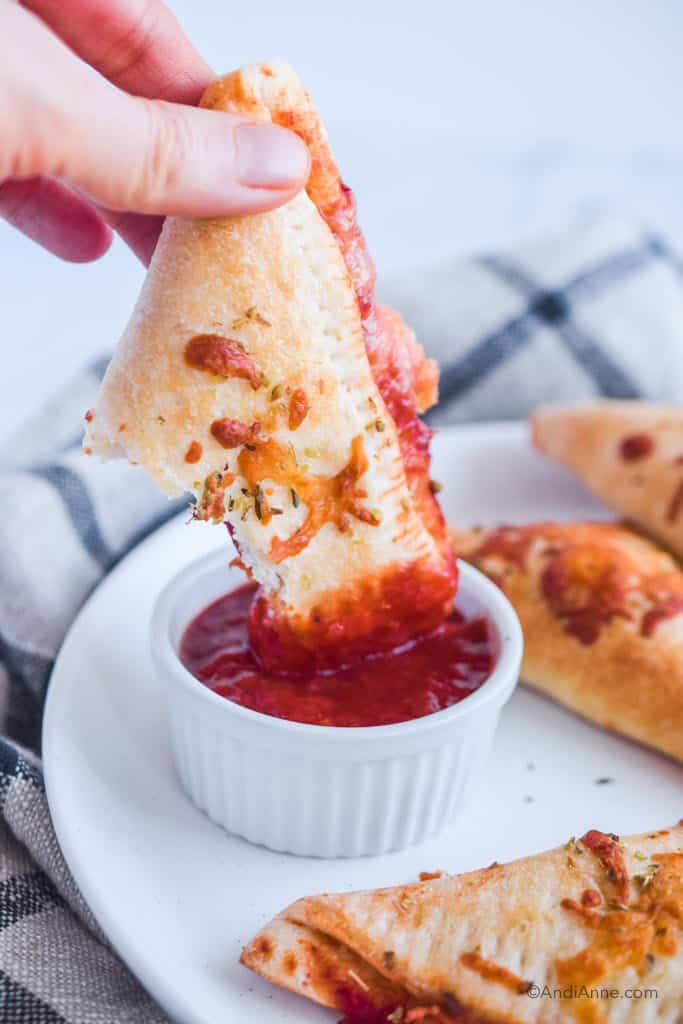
(126, 153)
(149, 156)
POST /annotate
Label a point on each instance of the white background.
(460, 126)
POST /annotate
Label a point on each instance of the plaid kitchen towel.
(596, 311)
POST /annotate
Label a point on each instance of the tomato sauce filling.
(588, 579)
(416, 679)
(359, 1008)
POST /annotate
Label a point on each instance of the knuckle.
(33, 113)
(129, 48)
(31, 146)
(169, 143)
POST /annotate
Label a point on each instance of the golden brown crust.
(313, 964)
(602, 614)
(630, 454)
(248, 331)
(474, 945)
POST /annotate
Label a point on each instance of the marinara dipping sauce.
(417, 679)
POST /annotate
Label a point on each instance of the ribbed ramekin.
(317, 790)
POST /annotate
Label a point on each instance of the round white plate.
(176, 895)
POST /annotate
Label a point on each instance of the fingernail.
(269, 156)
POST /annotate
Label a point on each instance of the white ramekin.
(323, 791)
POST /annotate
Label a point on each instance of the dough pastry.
(258, 372)
(491, 946)
(629, 454)
(602, 614)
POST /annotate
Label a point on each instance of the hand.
(78, 157)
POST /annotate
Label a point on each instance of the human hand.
(83, 153)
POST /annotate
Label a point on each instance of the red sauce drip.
(636, 446)
(414, 680)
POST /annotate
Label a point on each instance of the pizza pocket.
(602, 614)
(629, 454)
(258, 373)
(491, 946)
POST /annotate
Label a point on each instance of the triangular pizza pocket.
(259, 373)
(601, 609)
(514, 943)
(629, 454)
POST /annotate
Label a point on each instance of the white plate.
(177, 896)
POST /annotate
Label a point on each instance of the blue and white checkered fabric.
(597, 310)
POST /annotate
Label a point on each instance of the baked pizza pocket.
(492, 946)
(629, 454)
(259, 373)
(601, 609)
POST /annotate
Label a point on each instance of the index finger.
(137, 44)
